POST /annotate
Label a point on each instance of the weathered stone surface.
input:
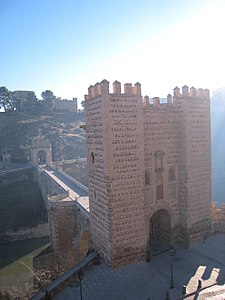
(41, 230)
(69, 231)
(218, 218)
(147, 160)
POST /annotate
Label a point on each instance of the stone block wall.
(218, 218)
(41, 230)
(147, 161)
(69, 231)
(194, 162)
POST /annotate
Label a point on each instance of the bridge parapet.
(60, 197)
(67, 202)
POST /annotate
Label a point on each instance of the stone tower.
(149, 169)
(194, 169)
(114, 130)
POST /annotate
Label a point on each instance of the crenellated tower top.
(193, 92)
(103, 88)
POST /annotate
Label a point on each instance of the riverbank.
(16, 264)
(39, 231)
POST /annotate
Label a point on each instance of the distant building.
(66, 105)
(6, 157)
(21, 97)
(149, 169)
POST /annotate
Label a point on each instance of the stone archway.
(41, 151)
(41, 157)
(159, 231)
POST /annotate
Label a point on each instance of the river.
(16, 262)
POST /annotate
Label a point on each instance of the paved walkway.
(204, 261)
(74, 190)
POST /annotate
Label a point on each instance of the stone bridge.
(67, 203)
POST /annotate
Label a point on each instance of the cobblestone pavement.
(203, 261)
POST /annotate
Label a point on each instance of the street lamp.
(80, 277)
(172, 253)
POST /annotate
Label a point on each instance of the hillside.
(61, 129)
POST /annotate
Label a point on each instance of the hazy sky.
(67, 45)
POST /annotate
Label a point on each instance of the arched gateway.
(159, 231)
(41, 157)
(160, 226)
(41, 151)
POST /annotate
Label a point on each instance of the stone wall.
(11, 176)
(115, 155)
(45, 260)
(161, 142)
(68, 224)
(218, 218)
(147, 161)
(70, 231)
(30, 205)
(41, 230)
(195, 161)
(48, 186)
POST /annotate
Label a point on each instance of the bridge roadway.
(76, 190)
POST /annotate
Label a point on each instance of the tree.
(83, 104)
(49, 98)
(7, 100)
(31, 102)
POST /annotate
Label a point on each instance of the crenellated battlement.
(192, 92)
(103, 88)
(99, 88)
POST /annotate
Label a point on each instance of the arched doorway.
(41, 157)
(159, 231)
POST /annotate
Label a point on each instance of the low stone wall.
(48, 186)
(63, 280)
(199, 231)
(74, 180)
(45, 260)
(218, 218)
(41, 230)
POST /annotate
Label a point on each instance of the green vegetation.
(11, 102)
(6, 99)
(48, 100)
(21, 205)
